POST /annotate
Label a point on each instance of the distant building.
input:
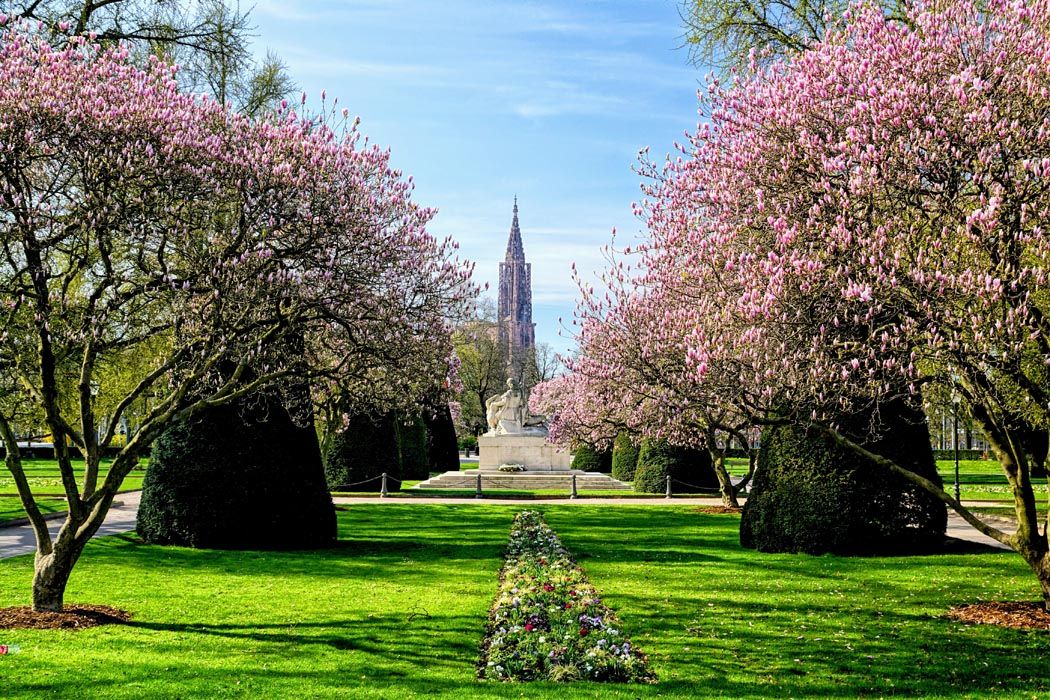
(517, 332)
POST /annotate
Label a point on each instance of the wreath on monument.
(512, 468)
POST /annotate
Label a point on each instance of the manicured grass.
(1004, 510)
(11, 507)
(45, 480)
(398, 610)
(727, 621)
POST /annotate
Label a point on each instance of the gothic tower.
(517, 332)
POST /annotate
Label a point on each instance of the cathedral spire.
(515, 250)
(517, 332)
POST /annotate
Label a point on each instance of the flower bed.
(548, 622)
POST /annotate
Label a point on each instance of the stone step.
(522, 481)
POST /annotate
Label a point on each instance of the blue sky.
(483, 99)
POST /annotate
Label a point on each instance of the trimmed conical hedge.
(624, 457)
(239, 476)
(362, 452)
(443, 454)
(412, 447)
(690, 469)
(810, 495)
(589, 459)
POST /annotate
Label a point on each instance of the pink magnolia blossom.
(865, 216)
(164, 254)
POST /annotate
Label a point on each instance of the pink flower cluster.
(548, 622)
(162, 233)
(866, 216)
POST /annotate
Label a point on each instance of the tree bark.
(55, 558)
(1042, 572)
(50, 576)
(725, 483)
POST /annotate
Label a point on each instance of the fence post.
(382, 489)
(477, 489)
(667, 493)
(573, 495)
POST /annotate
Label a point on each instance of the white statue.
(507, 413)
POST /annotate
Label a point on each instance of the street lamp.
(955, 439)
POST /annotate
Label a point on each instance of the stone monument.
(516, 437)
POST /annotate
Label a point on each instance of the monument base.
(532, 451)
(492, 482)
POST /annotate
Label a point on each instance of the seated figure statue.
(507, 413)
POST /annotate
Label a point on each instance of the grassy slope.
(397, 610)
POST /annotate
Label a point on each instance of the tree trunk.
(55, 558)
(1042, 572)
(725, 483)
(50, 577)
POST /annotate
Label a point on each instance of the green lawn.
(409, 492)
(45, 480)
(11, 507)
(398, 610)
(46, 484)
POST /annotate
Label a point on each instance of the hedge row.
(404, 447)
(589, 459)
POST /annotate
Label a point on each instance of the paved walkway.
(17, 540)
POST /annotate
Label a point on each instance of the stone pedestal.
(533, 451)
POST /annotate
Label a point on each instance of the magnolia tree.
(871, 215)
(631, 374)
(163, 253)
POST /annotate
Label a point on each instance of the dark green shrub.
(624, 457)
(809, 495)
(443, 454)
(585, 458)
(690, 469)
(239, 476)
(363, 451)
(412, 447)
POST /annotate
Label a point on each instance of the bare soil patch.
(73, 617)
(718, 510)
(1019, 615)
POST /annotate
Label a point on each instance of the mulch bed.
(1020, 615)
(717, 510)
(73, 617)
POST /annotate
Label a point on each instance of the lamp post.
(955, 440)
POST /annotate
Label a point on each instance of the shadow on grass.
(374, 544)
(397, 610)
(754, 624)
(386, 635)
